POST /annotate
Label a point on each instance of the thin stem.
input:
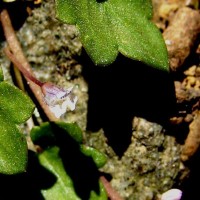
(14, 44)
(25, 72)
(112, 194)
(19, 80)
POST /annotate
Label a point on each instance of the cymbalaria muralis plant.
(50, 138)
(106, 28)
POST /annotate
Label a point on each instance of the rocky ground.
(146, 122)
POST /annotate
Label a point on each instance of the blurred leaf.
(111, 26)
(15, 108)
(1, 74)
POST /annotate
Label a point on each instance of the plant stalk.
(14, 44)
(25, 72)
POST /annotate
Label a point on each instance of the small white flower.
(59, 99)
(173, 194)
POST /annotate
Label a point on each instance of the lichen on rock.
(149, 166)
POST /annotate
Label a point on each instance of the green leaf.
(64, 186)
(112, 26)
(13, 149)
(102, 195)
(1, 74)
(72, 129)
(98, 157)
(62, 143)
(46, 133)
(43, 135)
(15, 108)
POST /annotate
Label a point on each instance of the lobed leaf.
(112, 26)
(64, 186)
(63, 149)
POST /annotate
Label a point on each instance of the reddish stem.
(14, 44)
(25, 72)
(112, 194)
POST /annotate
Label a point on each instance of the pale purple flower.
(172, 194)
(58, 99)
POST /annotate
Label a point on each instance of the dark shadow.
(18, 13)
(123, 90)
(179, 131)
(27, 185)
(190, 185)
(80, 168)
(101, 1)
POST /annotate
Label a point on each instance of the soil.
(145, 121)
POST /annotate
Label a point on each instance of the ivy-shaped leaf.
(45, 136)
(15, 108)
(63, 141)
(110, 26)
(63, 188)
